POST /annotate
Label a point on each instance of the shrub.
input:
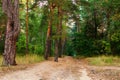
(102, 47)
(115, 43)
(21, 44)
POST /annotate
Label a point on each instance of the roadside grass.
(29, 59)
(26, 59)
(22, 61)
(104, 60)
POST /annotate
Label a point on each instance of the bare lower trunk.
(78, 25)
(60, 30)
(10, 45)
(95, 22)
(27, 27)
(49, 32)
(63, 45)
(60, 47)
(11, 9)
(56, 50)
(48, 42)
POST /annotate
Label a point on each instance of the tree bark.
(56, 50)
(49, 33)
(60, 30)
(11, 9)
(95, 23)
(58, 40)
(26, 26)
(78, 25)
(48, 42)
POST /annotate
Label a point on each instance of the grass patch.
(27, 59)
(22, 61)
(104, 61)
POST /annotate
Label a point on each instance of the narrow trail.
(66, 69)
(84, 75)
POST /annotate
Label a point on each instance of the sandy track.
(66, 69)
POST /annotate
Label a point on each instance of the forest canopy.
(59, 27)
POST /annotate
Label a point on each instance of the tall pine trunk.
(95, 23)
(56, 50)
(49, 33)
(26, 26)
(95, 20)
(60, 30)
(48, 41)
(58, 40)
(11, 9)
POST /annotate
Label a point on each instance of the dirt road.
(66, 69)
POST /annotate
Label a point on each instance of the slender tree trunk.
(95, 23)
(63, 45)
(49, 33)
(108, 21)
(26, 26)
(56, 50)
(48, 42)
(60, 30)
(11, 9)
(58, 40)
(78, 25)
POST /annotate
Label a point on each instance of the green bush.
(69, 49)
(102, 47)
(38, 49)
(115, 43)
(90, 47)
(21, 44)
(83, 45)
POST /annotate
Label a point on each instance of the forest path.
(66, 69)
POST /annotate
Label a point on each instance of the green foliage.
(2, 29)
(83, 45)
(1, 46)
(39, 49)
(97, 29)
(115, 43)
(115, 37)
(36, 32)
(69, 49)
(21, 43)
(99, 33)
(90, 47)
(102, 47)
(36, 49)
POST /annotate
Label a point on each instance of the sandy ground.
(66, 69)
(104, 73)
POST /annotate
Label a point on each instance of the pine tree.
(11, 9)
